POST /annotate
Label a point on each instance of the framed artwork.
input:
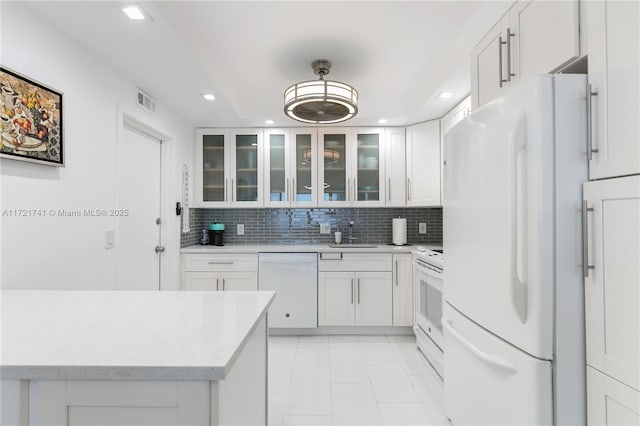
(30, 120)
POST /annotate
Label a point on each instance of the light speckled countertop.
(298, 248)
(126, 335)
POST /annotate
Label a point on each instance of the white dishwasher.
(294, 278)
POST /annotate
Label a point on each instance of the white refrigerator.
(513, 317)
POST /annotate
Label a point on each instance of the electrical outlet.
(109, 239)
(422, 228)
(241, 229)
(325, 228)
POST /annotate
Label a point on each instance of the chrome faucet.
(351, 238)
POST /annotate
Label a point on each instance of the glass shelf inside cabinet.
(277, 175)
(334, 162)
(213, 168)
(302, 190)
(246, 167)
(368, 167)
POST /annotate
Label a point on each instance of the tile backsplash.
(302, 226)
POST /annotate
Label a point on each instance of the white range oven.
(428, 266)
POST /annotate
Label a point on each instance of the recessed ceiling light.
(445, 95)
(382, 121)
(209, 97)
(133, 12)
(268, 121)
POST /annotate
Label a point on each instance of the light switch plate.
(241, 229)
(325, 228)
(422, 228)
(109, 239)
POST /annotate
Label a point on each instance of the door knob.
(159, 249)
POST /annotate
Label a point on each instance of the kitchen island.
(123, 358)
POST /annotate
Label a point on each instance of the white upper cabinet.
(228, 170)
(290, 168)
(546, 36)
(350, 171)
(423, 164)
(612, 42)
(395, 167)
(533, 37)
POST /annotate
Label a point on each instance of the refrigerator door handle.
(518, 144)
(497, 363)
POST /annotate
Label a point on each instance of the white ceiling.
(399, 55)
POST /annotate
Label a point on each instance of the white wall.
(68, 252)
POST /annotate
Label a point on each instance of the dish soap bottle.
(204, 240)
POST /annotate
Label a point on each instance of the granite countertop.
(126, 335)
(298, 248)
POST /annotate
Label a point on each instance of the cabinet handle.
(500, 79)
(590, 95)
(217, 284)
(233, 192)
(293, 190)
(509, 35)
(223, 284)
(220, 262)
(389, 189)
(352, 291)
(358, 291)
(286, 190)
(330, 258)
(396, 273)
(408, 189)
(226, 194)
(585, 240)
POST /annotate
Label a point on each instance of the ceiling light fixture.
(209, 97)
(133, 12)
(382, 121)
(445, 95)
(268, 122)
(321, 101)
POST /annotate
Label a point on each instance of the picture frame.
(31, 120)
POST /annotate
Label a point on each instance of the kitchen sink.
(347, 246)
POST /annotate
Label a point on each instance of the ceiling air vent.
(146, 102)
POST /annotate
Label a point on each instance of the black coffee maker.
(216, 231)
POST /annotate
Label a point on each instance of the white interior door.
(138, 229)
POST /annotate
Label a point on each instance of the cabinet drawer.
(354, 262)
(220, 262)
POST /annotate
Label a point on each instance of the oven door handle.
(491, 360)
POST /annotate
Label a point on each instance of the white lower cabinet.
(610, 402)
(220, 272)
(403, 309)
(612, 293)
(354, 298)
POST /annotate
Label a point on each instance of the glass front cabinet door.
(290, 178)
(228, 170)
(246, 165)
(350, 172)
(211, 180)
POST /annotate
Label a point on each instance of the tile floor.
(351, 380)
